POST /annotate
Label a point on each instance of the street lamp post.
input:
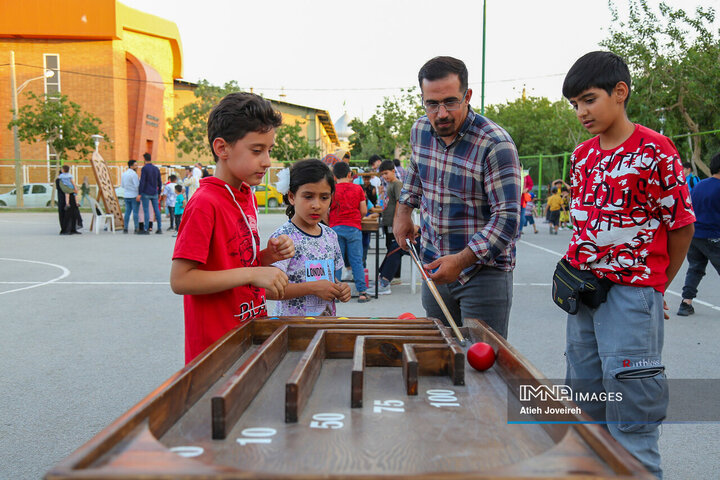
(16, 140)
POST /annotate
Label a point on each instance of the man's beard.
(445, 129)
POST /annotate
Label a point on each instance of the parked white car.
(34, 195)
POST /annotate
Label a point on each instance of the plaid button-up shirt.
(468, 192)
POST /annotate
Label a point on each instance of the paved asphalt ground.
(90, 327)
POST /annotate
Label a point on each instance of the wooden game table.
(345, 398)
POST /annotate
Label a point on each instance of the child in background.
(346, 213)
(67, 185)
(529, 211)
(169, 196)
(312, 288)
(84, 190)
(217, 263)
(178, 208)
(554, 205)
(393, 258)
(565, 209)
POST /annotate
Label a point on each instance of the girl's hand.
(343, 292)
(325, 289)
(280, 248)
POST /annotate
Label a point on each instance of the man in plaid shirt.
(464, 176)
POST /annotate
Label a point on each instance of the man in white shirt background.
(130, 184)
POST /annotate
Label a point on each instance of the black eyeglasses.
(432, 106)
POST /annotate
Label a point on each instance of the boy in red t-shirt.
(217, 262)
(633, 223)
(346, 212)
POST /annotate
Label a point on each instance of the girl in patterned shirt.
(312, 272)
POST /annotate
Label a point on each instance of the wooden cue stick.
(433, 289)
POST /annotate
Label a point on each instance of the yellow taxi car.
(262, 192)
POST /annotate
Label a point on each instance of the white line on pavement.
(65, 273)
(696, 300)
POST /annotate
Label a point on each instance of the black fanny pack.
(571, 286)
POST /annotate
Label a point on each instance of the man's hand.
(445, 269)
(665, 310)
(279, 248)
(272, 279)
(403, 225)
(343, 291)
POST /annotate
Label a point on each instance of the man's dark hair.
(147, 157)
(65, 168)
(178, 188)
(172, 178)
(715, 164)
(687, 165)
(131, 163)
(396, 162)
(387, 165)
(440, 67)
(237, 115)
(341, 170)
(374, 158)
(596, 70)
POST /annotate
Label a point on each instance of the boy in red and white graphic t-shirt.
(217, 263)
(633, 223)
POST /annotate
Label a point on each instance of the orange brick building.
(116, 62)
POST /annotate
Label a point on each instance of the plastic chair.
(102, 216)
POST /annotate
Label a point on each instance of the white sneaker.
(384, 290)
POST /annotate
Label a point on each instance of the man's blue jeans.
(131, 206)
(616, 349)
(350, 240)
(146, 199)
(700, 252)
(486, 296)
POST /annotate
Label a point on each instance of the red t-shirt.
(215, 233)
(345, 208)
(624, 202)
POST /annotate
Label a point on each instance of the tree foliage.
(57, 120)
(538, 126)
(188, 129)
(674, 58)
(291, 146)
(387, 132)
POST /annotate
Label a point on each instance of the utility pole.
(16, 140)
(482, 87)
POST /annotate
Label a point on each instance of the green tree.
(60, 122)
(674, 59)
(538, 126)
(188, 129)
(290, 145)
(387, 132)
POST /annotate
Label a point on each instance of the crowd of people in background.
(147, 198)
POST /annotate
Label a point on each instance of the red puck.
(481, 356)
(406, 316)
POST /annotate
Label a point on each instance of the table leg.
(377, 261)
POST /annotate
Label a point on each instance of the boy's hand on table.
(272, 279)
(343, 290)
(280, 248)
